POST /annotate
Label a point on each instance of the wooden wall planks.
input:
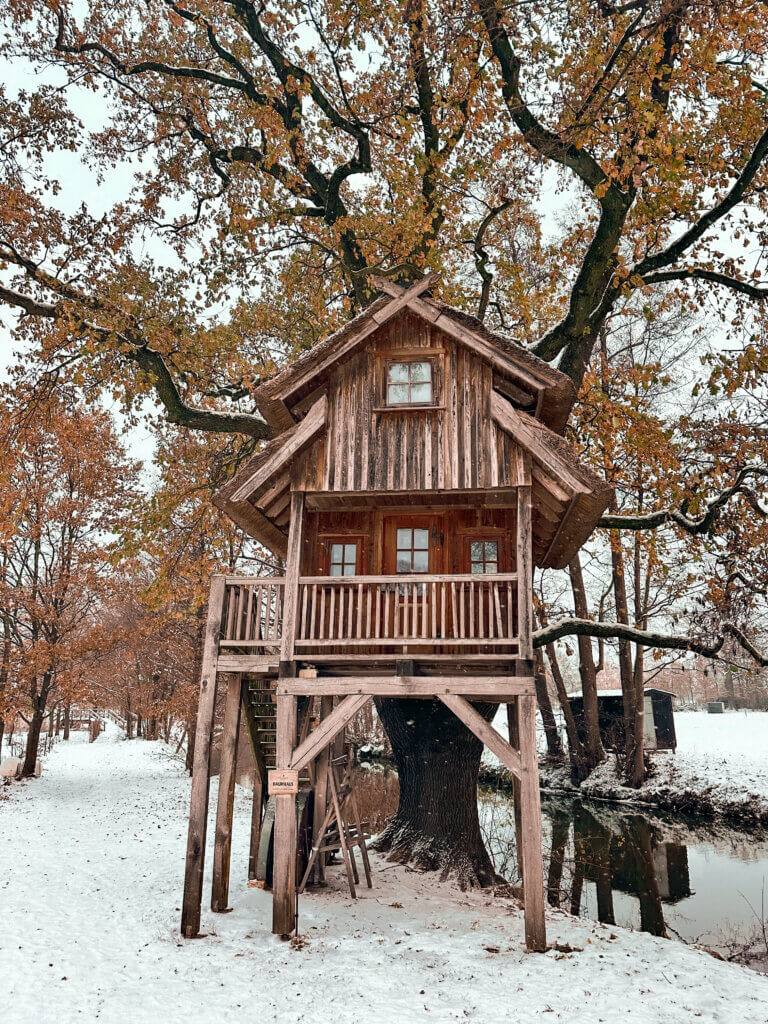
(454, 445)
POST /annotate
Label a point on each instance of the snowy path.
(90, 883)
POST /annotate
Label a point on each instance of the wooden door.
(414, 545)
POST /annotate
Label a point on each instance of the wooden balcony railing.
(253, 613)
(375, 614)
(413, 612)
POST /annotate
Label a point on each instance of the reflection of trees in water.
(628, 859)
(614, 851)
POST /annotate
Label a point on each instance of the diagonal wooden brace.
(328, 728)
(484, 731)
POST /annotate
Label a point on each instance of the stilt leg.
(321, 791)
(223, 840)
(284, 872)
(533, 867)
(198, 811)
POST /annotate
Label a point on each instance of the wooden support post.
(198, 810)
(321, 790)
(530, 805)
(222, 848)
(292, 572)
(514, 739)
(284, 871)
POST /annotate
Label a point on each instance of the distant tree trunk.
(33, 743)
(593, 745)
(575, 747)
(67, 715)
(2, 733)
(633, 708)
(554, 745)
(436, 825)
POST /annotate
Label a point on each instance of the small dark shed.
(659, 718)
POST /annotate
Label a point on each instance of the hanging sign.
(283, 780)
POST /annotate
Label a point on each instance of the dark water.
(702, 883)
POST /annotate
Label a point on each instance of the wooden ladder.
(337, 832)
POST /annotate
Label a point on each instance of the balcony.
(343, 618)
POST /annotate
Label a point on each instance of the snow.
(90, 890)
(720, 767)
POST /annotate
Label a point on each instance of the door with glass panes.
(413, 547)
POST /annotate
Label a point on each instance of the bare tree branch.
(695, 526)
(648, 638)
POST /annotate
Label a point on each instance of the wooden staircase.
(261, 720)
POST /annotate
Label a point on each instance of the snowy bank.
(93, 857)
(720, 769)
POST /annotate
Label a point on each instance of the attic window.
(409, 383)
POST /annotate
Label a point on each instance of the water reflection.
(633, 860)
(668, 876)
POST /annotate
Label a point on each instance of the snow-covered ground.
(720, 767)
(90, 887)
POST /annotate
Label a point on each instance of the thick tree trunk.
(436, 826)
(67, 715)
(576, 754)
(2, 733)
(633, 709)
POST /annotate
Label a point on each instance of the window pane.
(491, 550)
(336, 569)
(404, 561)
(421, 393)
(336, 552)
(350, 552)
(491, 567)
(421, 538)
(398, 373)
(421, 372)
(404, 538)
(476, 548)
(421, 561)
(399, 394)
(477, 568)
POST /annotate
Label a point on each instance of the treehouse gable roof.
(484, 435)
(528, 381)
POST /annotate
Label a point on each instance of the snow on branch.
(708, 648)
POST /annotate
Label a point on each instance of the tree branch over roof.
(151, 362)
(648, 638)
(693, 525)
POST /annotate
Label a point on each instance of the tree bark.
(2, 733)
(67, 714)
(593, 746)
(633, 709)
(436, 825)
(554, 745)
(33, 741)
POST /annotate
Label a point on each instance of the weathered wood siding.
(454, 446)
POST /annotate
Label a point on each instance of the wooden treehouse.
(416, 477)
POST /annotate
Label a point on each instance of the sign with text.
(283, 780)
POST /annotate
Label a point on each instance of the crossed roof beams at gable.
(546, 391)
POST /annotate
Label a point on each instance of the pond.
(696, 881)
(699, 882)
